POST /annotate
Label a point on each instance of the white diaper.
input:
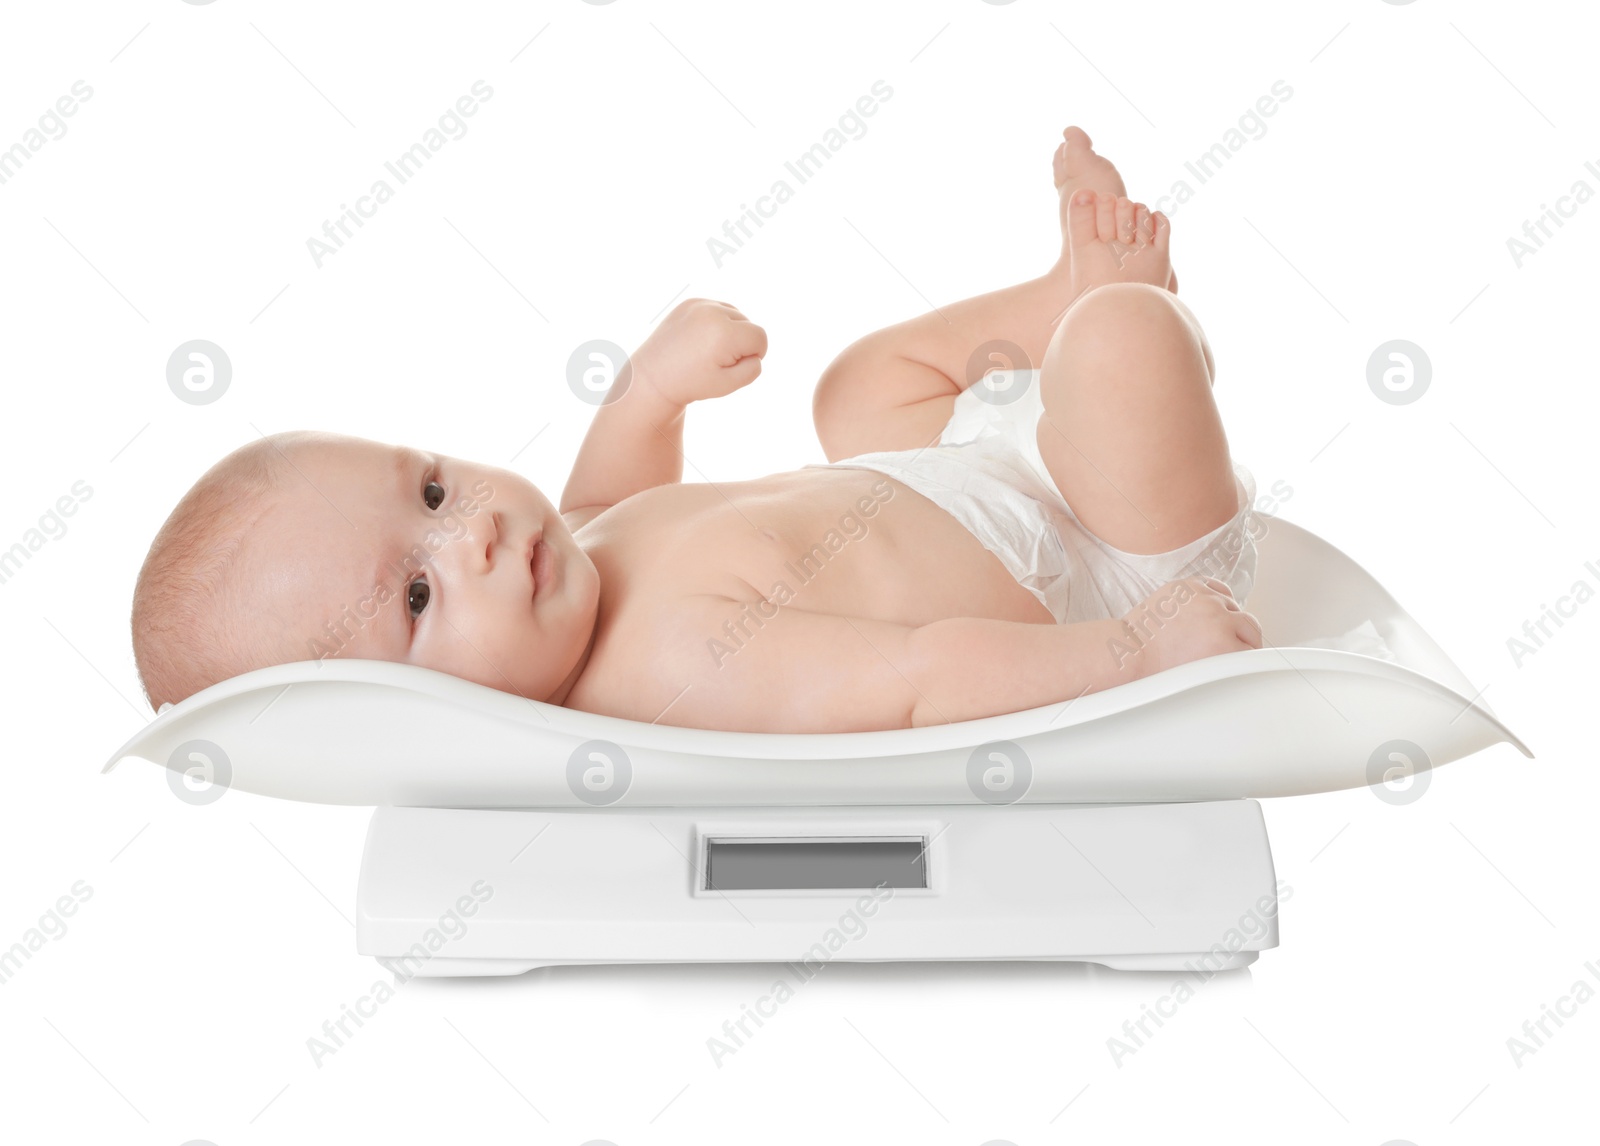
(986, 472)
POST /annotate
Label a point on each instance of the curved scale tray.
(1281, 720)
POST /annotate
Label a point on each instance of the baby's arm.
(701, 350)
(634, 443)
(816, 672)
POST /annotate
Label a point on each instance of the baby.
(978, 543)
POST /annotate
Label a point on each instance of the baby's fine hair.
(189, 599)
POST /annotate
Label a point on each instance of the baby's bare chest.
(840, 541)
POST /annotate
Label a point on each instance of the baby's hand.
(1185, 620)
(703, 349)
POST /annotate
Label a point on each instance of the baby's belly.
(856, 543)
(845, 542)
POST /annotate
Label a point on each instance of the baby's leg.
(1131, 432)
(894, 388)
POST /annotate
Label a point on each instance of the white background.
(218, 138)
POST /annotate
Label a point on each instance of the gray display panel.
(788, 864)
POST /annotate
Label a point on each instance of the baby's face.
(390, 553)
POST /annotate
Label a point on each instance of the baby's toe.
(1073, 156)
(1143, 227)
(1083, 217)
(1163, 236)
(1106, 217)
(1125, 220)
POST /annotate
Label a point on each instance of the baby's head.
(306, 545)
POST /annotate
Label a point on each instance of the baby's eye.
(417, 594)
(429, 498)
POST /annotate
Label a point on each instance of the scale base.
(444, 967)
(1180, 887)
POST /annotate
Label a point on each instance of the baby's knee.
(1139, 303)
(1110, 319)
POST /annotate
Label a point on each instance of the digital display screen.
(753, 864)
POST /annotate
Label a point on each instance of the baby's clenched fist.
(702, 349)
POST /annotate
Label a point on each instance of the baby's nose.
(489, 538)
(476, 545)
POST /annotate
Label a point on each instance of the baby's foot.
(1078, 167)
(1112, 239)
